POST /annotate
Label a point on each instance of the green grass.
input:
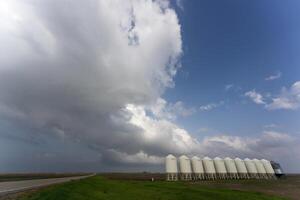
(97, 187)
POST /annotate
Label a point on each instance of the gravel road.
(16, 186)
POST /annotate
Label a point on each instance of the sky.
(117, 85)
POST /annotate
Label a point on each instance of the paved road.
(15, 186)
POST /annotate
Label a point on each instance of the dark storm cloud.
(70, 71)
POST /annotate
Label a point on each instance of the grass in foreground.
(100, 188)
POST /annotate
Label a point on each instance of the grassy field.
(98, 187)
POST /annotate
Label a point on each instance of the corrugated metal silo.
(252, 171)
(268, 167)
(260, 168)
(197, 167)
(209, 168)
(231, 168)
(220, 168)
(171, 168)
(241, 168)
(185, 168)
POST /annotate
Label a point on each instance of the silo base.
(210, 176)
(263, 176)
(254, 175)
(199, 176)
(186, 176)
(233, 176)
(271, 176)
(243, 176)
(222, 176)
(172, 177)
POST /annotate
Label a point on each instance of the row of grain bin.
(217, 168)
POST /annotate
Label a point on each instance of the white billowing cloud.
(89, 71)
(255, 97)
(210, 106)
(180, 109)
(161, 133)
(227, 141)
(273, 77)
(282, 103)
(171, 111)
(270, 145)
(140, 157)
(288, 99)
(277, 136)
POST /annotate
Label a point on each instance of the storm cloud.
(73, 71)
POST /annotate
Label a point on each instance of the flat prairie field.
(103, 188)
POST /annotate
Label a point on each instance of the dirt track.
(16, 186)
